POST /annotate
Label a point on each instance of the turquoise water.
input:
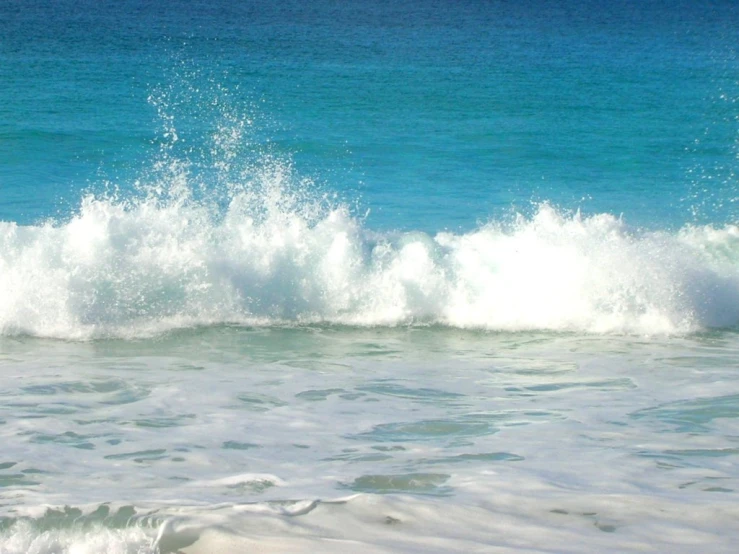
(419, 112)
(372, 276)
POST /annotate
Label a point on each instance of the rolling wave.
(271, 255)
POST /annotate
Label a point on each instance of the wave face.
(267, 253)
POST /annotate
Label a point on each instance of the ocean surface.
(369, 276)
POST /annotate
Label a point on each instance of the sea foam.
(23, 538)
(268, 253)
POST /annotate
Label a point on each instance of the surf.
(225, 230)
(136, 267)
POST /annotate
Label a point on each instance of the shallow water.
(521, 439)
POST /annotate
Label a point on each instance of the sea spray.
(224, 229)
(136, 268)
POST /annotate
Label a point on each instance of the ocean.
(370, 276)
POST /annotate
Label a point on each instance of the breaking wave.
(233, 235)
(273, 256)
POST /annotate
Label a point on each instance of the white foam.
(511, 519)
(140, 267)
(23, 538)
(245, 479)
(514, 517)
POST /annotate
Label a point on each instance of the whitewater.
(138, 267)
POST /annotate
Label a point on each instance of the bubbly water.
(369, 276)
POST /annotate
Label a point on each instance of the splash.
(23, 538)
(122, 269)
(230, 233)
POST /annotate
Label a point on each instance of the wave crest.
(123, 268)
